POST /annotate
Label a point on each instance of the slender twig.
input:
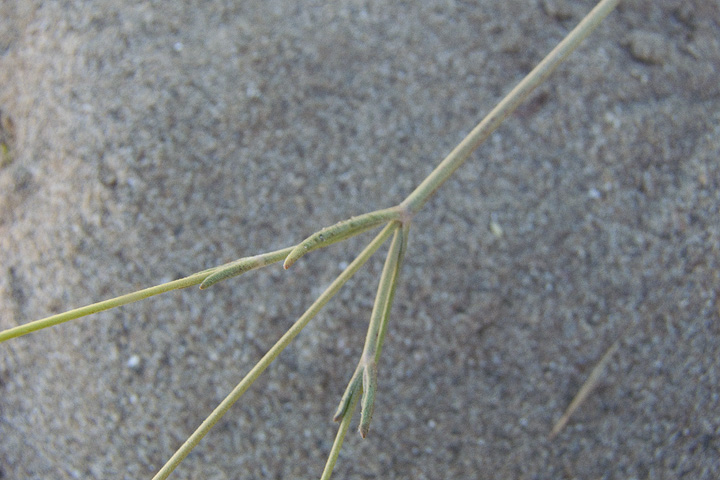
(274, 351)
(380, 311)
(365, 377)
(104, 305)
(394, 282)
(507, 105)
(364, 380)
(342, 431)
(205, 278)
(382, 297)
(585, 390)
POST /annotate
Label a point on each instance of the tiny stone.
(496, 229)
(558, 9)
(133, 362)
(648, 47)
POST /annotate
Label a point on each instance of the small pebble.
(133, 362)
(558, 9)
(648, 47)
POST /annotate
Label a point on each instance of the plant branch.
(585, 390)
(363, 383)
(337, 444)
(365, 377)
(104, 305)
(507, 105)
(270, 356)
(205, 278)
(405, 229)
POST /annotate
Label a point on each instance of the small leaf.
(350, 392)
(222, 273)
(245, 264)
(368, 400)
(341, 231)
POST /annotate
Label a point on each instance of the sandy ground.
(144, 141)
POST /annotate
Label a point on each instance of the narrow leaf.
(368, 399)
(341, 231)
(245, 264)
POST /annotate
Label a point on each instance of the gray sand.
(149, 140)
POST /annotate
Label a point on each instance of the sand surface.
(144, 141)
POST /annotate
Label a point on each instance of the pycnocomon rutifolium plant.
(394, 226)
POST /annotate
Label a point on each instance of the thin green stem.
(205, 278)
(380, 312)
(104, 305)
(270, 356)
(337, 444)
(364, 378)
(393, 286)
(383, 295)
(507, 105)
(364, 381)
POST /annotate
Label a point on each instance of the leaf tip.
(294, 256)
(209, 281)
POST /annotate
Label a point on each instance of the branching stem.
(270, 356)
(397, 222)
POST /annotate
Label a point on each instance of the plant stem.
(205, 278)
(404, 232)
(507, 105)
(382, 297)
(365, 377)
(274, 351)
(381, 308)
(585, 390)
(53, 320)
(337, 444)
